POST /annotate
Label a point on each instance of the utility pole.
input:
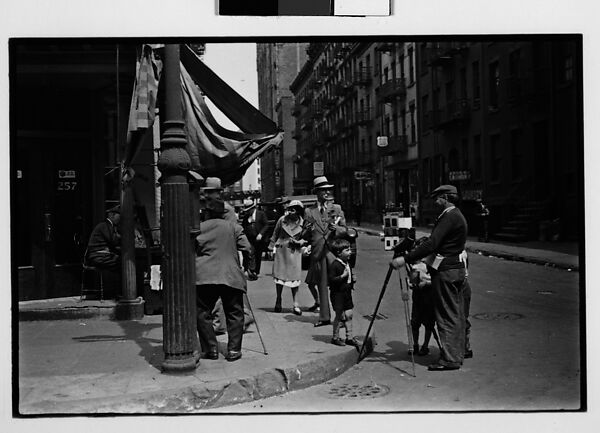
(179, 297)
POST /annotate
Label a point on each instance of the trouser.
(107, 261)
(233, 304)
(320, 277)
(467, 301)
(449, 289)
(218, 316)
(258, 252)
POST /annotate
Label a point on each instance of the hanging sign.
(318, 168)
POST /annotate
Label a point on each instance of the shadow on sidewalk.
(138, 332)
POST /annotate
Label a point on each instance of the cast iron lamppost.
(179, 297)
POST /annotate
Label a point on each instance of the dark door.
(51, 215)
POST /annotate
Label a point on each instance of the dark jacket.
(104, 238)
(260, 226)
(447, 239)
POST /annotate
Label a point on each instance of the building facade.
(356, 123)
(500, 121)
(278, 64)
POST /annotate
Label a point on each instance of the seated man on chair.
(104, 246)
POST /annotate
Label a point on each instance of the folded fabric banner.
(143, 100)
(214, 150)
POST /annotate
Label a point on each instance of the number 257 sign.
(67, 180)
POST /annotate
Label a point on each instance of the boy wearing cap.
(444, 256)
(327, 221)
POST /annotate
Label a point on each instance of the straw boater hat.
(443, 189)
(295, 203)
(321, 182)
(114, 209)
(212, 184)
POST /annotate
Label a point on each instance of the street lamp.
(179, 297)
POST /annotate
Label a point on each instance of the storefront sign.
(318, 168)
(459, 175)
(363, 175)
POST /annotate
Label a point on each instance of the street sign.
(318, 168)
(459, 175)
(363, 175)
(382, 141)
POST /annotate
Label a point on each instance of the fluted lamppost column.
(179, 330)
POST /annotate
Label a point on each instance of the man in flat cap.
(327, 220)
(104, 246)
(446, 261)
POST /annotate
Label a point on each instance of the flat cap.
(443, 189)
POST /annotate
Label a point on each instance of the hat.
(114, 209)
(321, 182)
(295, 203)
(212, 183)
(443, 189)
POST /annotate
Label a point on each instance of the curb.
(195, 398)
(505, 256)
(68, 313)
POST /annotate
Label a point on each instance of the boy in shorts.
(341, 284)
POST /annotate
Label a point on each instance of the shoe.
(352, 342)
(210, 355)
(338, 341)
(424, 351)
(297, 311)
(322, 323)
(314, 308)
(441, 367)
(468, 354)
(233, 355)
(277, 308)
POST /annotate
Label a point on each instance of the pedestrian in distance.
(341, 284)
(327, 221)
(483, 213)
(357, 212)
(287, 246)
(446, 263)
(255, 224)
(219, 275)
(423, 311)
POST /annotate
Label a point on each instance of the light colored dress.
(287, 265)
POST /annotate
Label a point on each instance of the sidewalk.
(91, 364)
(563, 255)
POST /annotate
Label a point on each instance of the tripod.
(405, 245)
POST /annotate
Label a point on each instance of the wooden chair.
(85, 267)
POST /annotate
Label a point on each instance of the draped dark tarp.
(214, 150)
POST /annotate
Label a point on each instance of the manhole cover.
(355, 391)
(497, 316)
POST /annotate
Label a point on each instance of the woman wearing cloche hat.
(288, 246)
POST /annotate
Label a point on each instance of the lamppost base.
(180, 363)
(129, 309)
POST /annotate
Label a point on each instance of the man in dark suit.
(327, 221)
(104, 246)
(255, 224)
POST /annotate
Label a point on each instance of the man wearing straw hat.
(327, 221)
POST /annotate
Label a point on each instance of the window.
(393, 68)
(411, 66)
(566, 73)
(515, 151)
(386, 75)
(476, 84)
(477, 156)
(403, 121)
(494, 82)
(413, 128)
(402, 75)
(495, 158)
